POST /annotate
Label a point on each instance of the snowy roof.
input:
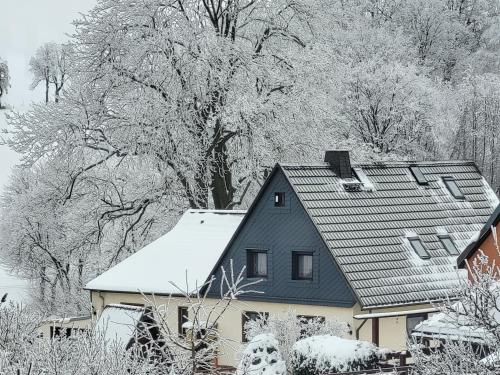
(479, 237)
(118, 323)
(366, 229)
(446, 327)
(187, 253)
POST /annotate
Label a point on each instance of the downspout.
(359, 328)
(102, 301)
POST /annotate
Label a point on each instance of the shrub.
(262, 357)
(328, 354)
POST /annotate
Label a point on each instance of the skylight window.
(419, 176)
(418, 247)
(449, 245)
(453, 188)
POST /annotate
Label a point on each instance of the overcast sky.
(25, 25)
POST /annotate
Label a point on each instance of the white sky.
(25, 25)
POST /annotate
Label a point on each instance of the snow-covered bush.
(289, 328)
(262, 357)
(328, 354)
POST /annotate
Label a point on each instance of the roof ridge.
(381, 163)
(216, 211)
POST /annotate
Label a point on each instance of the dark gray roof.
(483, 234)
(366, 230)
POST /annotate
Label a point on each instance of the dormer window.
(453, 188)
(448, 244)
(418, 247)
(419, 176)
(279, 199)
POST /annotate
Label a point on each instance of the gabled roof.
(186, 254)
(366, 230)
(482, 235)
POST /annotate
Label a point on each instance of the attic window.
(279, 199)
(418, 247)
(453, 188)
(419, 176)
(448, 244)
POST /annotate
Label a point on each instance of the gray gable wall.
(281, 230)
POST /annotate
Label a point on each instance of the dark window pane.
(302, 266)
(256, 263)
(419, 247)
(449, 245)
(182, 317)
(419, 176)
(279, 199)
(453, 188)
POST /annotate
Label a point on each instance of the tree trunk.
(222, 178)
(46, 90)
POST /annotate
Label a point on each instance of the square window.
(256, 263)
(412, 321)
(449, 245)
(302, 265)
(453, 188)
(279, 199)
(418, 247)
(251, 316)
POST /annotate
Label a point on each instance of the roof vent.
(352, 185)
(340, 163)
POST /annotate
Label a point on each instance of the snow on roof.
(118, 323)
(186, 254)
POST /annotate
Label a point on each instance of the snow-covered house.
(370, 244)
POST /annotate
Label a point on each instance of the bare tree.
(50, 66)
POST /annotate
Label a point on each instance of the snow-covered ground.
(15, 288)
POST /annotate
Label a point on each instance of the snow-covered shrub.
(289, 328)
(261, 357)
(328, 354)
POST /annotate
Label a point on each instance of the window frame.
(245, 317)
(295, 265)
(423, 316)
(447, 237)
(418, 175)
(250, 259)
(417, 240)
(279, 199)
(453, 188)
(181, 319)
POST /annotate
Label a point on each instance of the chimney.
(340, 163)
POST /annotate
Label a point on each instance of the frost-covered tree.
(204, 79)
(50, 65)
(196, 350)
(4, 79)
